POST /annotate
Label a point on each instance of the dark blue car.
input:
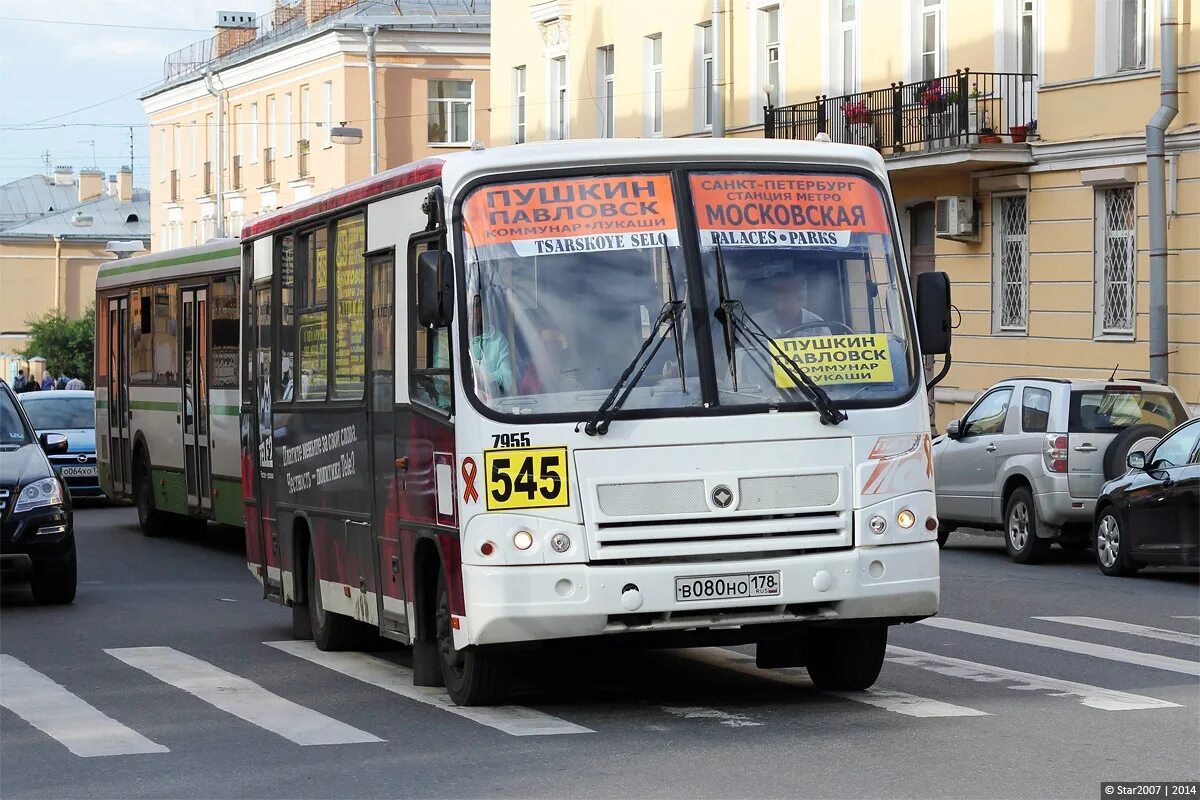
(72, 414)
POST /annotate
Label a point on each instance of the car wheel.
(330, 630)
(846, 659)
(1112, 546)
(1021, 529)
(150, 518)
(53, 581)
(473, 677)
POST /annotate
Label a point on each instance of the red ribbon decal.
(469, 472)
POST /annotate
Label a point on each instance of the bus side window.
(430, 378)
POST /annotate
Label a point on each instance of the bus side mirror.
(435, 288)
(933, 313)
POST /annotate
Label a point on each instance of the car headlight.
(45, 492)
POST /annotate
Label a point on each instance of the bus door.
(118, 394)
(381, 421)
(196, 464)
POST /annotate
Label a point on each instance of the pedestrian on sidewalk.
(75, 384)
(19, 382)
(47, 381)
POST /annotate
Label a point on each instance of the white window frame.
(305, 113)
(558, 105)
(1103, 235)
(210, 140)
(606, 60)
(450, 103)
(239, 138)
(520, 117)
(936, 10)
(653, 105)
(1139, 26)
(289, 140)
(272, 121)
(848, 27)
(162, 155)
(195, 126)
(758, 57)
(704, 77)
(1108, 40)
(254, 133)
(999, 237)
(328, 113)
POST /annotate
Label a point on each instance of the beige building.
(285, 80)
(55, 232)
(1026, 117)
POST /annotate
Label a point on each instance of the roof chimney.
(125, 185)
(315, 10)
(91, 184)
(234, 29)
(64, 175)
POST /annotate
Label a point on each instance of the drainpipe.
(219, 167)
(718, 85)
(1156, 141)
(370, 30)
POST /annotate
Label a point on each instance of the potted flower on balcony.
(858, 123)
(987, 135)
(932, 97)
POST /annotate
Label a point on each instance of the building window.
(1010, 256)
(162, 155)
(519, 121)
(605, 67)
(288, 139)
(705, 74)
(1027, 40)
(271, 143)
(771, 51)
(849, 41)
(1133, 34)
(254, 133)
(176, 147)
(1116, 221)
(560, 119)
(931, 37)
(654, 84)
(449, 112)
(305, 113)
(194, 145)
(239, 138)
(329, 113)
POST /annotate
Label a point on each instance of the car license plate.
(727, 587)
(79, 472)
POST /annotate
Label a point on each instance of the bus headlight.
(522, 540)
(906, 519)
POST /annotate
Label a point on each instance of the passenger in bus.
(491, 359)
(554, 366)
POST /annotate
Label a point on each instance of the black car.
(37, 536)
(1151, 514)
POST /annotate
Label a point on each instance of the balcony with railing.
(968, 117)
(268, 158)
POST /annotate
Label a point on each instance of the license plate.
(79, 472)
(727, 587)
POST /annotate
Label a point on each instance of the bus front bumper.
(530, 603)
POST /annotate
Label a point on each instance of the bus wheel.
(150, 518)
(473, 677)
(846, 658)
(330, 631)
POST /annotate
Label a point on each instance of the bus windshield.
(566, 278)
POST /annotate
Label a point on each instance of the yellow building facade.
(1020, 123)
(285, 81)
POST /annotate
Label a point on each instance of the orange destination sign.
(756, 209)
(573, 215)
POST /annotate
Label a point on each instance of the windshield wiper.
(734, 319)
(667, 319)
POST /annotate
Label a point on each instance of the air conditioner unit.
(955, 218)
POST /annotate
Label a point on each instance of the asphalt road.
(159, 682)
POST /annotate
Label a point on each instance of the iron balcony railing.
(208, 178)
(237, 173)
(268, 165)
(966, 108)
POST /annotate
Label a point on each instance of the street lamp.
(340, 134)
(768, 90)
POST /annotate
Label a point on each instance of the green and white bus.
(167, 344)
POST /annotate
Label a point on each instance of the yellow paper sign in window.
(857, 358)
(526, 477)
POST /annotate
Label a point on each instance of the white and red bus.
(660, 389)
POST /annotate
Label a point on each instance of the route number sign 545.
(526, 477)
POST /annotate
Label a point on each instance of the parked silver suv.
(1030, 456)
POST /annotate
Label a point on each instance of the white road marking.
(514, 720)
(1069, 645)
(57, 712)
(1162, 634)
(240, 697)
(724, 717)
(1091, 696)
(899, 702)
(1186, 616)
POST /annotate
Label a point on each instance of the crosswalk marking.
(726, 718)
(240, 697)
(898, 702)
(1104, 651)
(55, 711)
(514, 720)
(1091, 696)
(1162, 634)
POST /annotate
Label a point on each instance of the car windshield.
(565, 280)
(567, 277)
(54, 413)
(12, 429)
(810, 260)
(1114, 410)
